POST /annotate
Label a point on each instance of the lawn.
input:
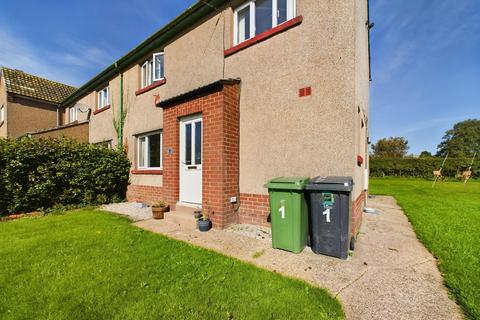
(93, 265)
(447, 220)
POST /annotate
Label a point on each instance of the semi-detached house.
(32, 104)
(231, 94)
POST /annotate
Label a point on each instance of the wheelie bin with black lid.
(330, 215)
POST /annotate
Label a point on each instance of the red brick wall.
(231, 152)
(144, 193)
(254, 209)
(220, 115)
(357, 213)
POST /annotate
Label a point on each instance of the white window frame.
(146, 151)
(2, 113)
(101, 97)
(147, 71)
(250, 4)
(72, 114)
(291, 13)
(154, 66)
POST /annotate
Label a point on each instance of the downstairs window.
(150, 151)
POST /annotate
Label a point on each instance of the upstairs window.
(2, 114)
(150, 151)
(153, 70)
(104, 98)
(72, 114)
(257, 16)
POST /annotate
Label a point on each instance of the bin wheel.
(352, 243)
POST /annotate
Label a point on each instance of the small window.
(158, 67)
(72, 114)
(150, 151)
(152, 70)
(243, 16)
(147, 74)
(257, 16)
(104, 98)
(2, 114)
(105, 144)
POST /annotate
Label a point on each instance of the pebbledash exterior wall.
(302, 108)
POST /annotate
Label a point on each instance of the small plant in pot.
(204, 223)
(197, 214)
(159, 208)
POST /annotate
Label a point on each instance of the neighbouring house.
(31, 105)
(231, 94)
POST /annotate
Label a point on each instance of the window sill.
(150, 87)
(264, 35)
(147, 171)
(101, 109)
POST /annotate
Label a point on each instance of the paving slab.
(390, 276)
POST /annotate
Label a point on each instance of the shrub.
(43, 173)
(421, 167)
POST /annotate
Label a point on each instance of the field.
(447, 220)
(94, 265)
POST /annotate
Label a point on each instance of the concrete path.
(390, 276)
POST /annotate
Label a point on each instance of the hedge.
(42, 173)
(421, 167)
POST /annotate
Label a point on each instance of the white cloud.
(67, 65)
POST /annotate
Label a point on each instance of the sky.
(425, 54)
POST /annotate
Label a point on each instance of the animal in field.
(466, 175)
(437, 174)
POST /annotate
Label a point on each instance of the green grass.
(93, 265)
(447, 220)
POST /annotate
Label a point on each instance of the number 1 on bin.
(282, 209)
(327, 213)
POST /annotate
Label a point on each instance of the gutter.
(121, 122)
(369, 27)
(185, 20)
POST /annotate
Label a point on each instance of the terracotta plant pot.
(159, 212)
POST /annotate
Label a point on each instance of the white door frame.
(190, 177)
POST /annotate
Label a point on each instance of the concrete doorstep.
(390, 276)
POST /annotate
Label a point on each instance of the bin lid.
(288, 183)
(331, 183)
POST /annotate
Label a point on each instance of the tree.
(425, 154)
(393, 147)
(461, 141)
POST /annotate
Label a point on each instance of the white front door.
(191, 150)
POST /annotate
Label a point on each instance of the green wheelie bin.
(288, 213)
